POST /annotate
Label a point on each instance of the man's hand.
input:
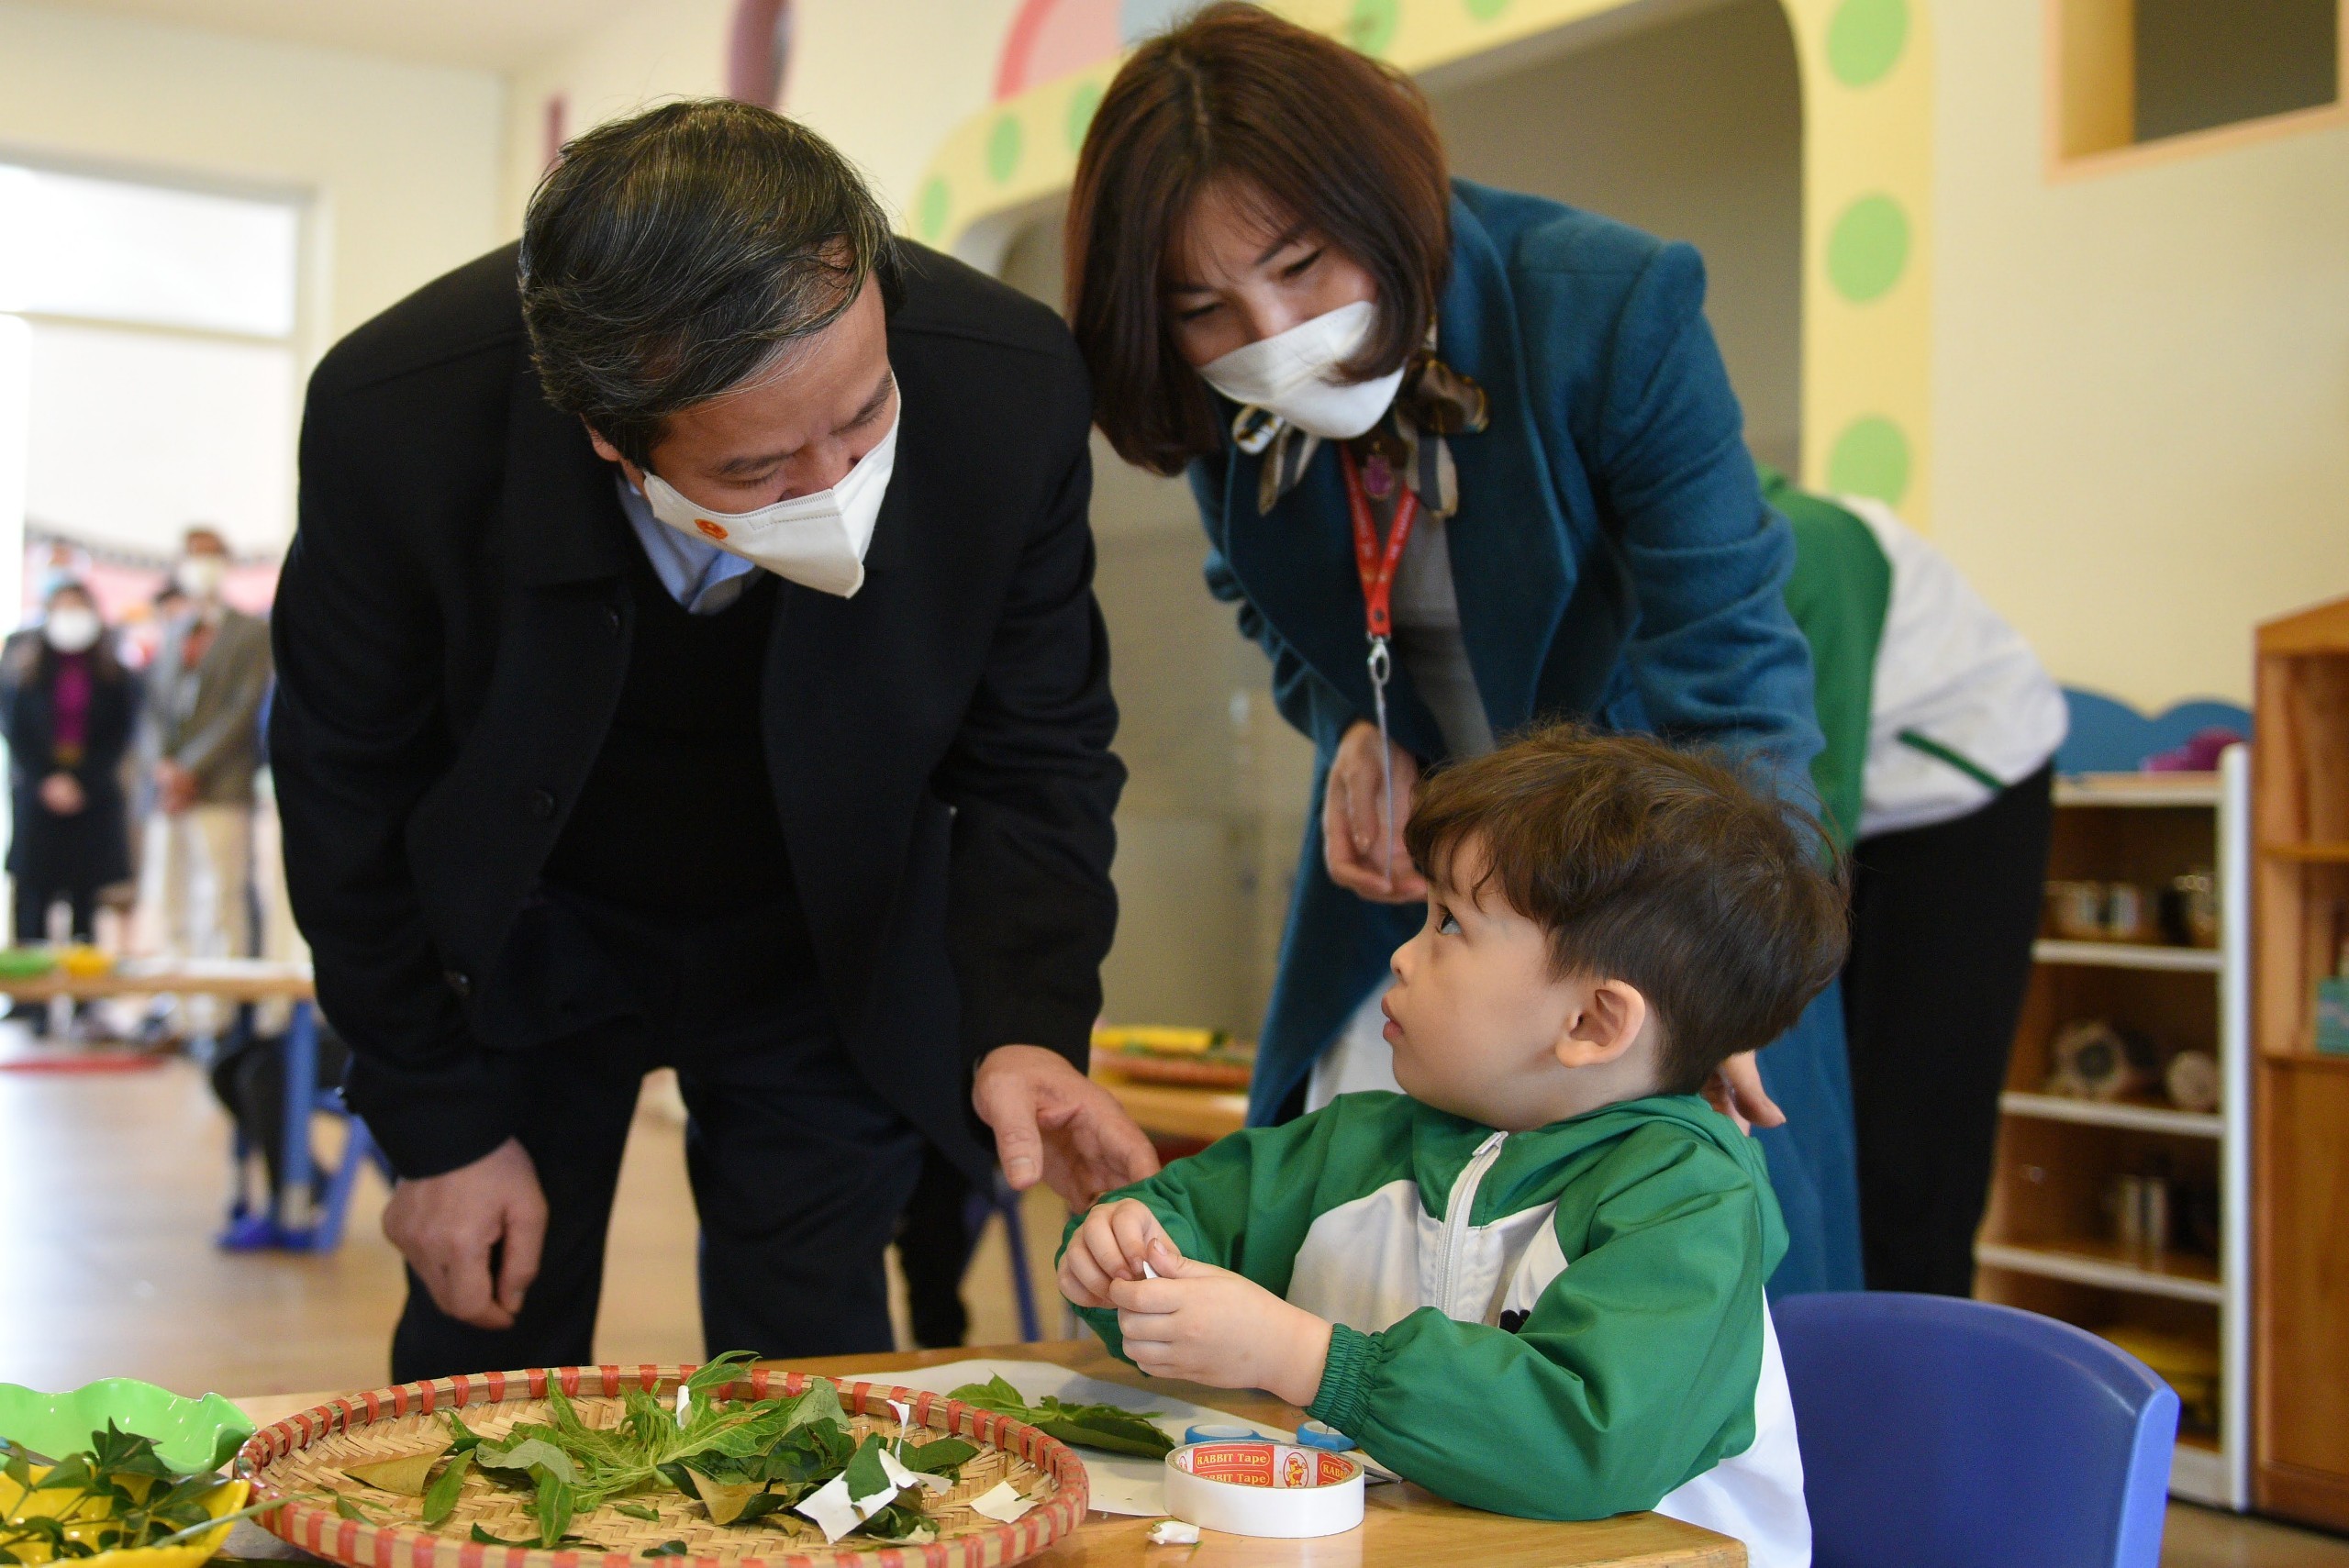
(174, 787)
(1112, 1244)
(1052, 1121)
(472, 1234)
(62, 793)
(1353, 820)
(1735, 1089)
(1208, 1324)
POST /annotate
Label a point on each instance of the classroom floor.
(111, 1188)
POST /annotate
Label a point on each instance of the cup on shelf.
(2075, 910)
(2190, 909)
(2128, 913)
(2140, 1207)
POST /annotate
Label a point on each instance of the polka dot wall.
(1868, 162)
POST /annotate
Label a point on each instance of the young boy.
(1535, 1285)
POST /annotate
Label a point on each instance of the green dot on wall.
(1864, 40)
(931, 208)
(1081, 107)
(1870, 458)
(1003, 149)
(1486, 10)
(1867, 248)
(1371, 27)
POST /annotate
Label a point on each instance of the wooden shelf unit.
(2301, 915)
(2047, 1242)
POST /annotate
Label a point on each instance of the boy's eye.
(1445, 925)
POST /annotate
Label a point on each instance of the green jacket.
(1565, 1323)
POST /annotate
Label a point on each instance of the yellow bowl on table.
(224, 1498)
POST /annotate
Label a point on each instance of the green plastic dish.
(26, 963)
(191, 1435)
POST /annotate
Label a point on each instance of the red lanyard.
(1376, 564)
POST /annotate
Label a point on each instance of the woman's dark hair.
(1673, 871)
(1322, 136)
(667, 256)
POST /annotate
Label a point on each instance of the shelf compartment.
(2126, 1113)
(2167, 957)
(2181, 1276)
(2137, 789)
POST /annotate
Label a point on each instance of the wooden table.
(1403, 1527)
(229, 979)
(1176, 1110)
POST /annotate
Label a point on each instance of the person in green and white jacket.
(1533, 1282)
(1942, 728)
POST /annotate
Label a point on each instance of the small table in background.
(291, 1220)
(1403, 1526)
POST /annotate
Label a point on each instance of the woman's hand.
(1353, 819)
(62, 793)
(1736, 1092)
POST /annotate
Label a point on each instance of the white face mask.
(818, 540)
(1290, 375)
(200, 576)
(72, 630)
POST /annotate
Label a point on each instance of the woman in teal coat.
(1466, 460)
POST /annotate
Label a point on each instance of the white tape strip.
(1258, 1487)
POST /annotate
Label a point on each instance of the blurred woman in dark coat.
(69, 714)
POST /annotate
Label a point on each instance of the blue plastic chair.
(1939, 1432)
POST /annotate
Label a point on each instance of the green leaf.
(552, 1509)
(638, 1511)
(719, 1371)
(485, 1539)
(1111, 1428)
(819, 1401)
(529, 1454)
(462, 1438)
(441, 1501)
(863, 1469)
(939, 1457)
(667, 1549)
(346, 1508)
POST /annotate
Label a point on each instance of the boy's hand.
(1110, 1245)
(1208, 1325)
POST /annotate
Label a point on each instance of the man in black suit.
(689, 656)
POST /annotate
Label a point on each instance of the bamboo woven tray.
(308, 1452)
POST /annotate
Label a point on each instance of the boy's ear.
(1602, 1026)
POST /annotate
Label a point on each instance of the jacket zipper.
(1456, 1210)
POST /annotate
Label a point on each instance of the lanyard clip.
(1381, 663)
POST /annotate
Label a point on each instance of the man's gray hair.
(667, 256)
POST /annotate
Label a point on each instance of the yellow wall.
(2140, 378)
(401, 161)
(885, 79)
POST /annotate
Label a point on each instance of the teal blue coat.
(1614, 562)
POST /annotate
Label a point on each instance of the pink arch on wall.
(1049, 38)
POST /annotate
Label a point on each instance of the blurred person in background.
(204, 688)
(69, 714)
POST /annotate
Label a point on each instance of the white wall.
(2141, 379)
(401, 161)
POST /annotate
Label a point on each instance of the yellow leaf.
(406, 1475)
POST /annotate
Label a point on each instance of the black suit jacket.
(452, 630)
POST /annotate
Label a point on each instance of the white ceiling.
(489, 34)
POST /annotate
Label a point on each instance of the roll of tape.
(1254, 1486)
(1218, 1431)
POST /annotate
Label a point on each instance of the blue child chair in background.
(1939, 1432)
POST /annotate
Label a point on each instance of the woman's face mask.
(71, 629)
(1293, 374)
(817, 540)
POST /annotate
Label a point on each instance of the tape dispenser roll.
(1255, 1487)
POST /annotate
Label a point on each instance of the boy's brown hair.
(1659, 867)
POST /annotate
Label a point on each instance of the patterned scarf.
(1433, 402)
